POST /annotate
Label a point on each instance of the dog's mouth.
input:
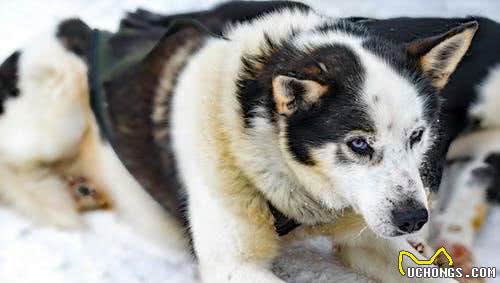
(388, 231)
(397, 233)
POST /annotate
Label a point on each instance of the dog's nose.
(409, 220)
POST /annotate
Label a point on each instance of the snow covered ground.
(109, 251)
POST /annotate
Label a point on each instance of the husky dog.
(317, 118)
(467, 114)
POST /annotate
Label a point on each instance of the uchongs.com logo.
(426, 269)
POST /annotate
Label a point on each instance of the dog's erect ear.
(291, 94)
(439, 55)
(76, 36)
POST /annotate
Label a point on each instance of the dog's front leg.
(378, 257)
(233, 235)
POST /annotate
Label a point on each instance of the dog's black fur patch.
(9, 78)
(493, 160)
(328, 120)
(76, 36)
(338, 111)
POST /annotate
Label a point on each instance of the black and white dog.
(295, 114)
(310, 115)
(467, 115)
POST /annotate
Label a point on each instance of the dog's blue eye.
(416, 137)
(360, 146)
(359, 143)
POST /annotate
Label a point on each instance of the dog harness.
(98, 62)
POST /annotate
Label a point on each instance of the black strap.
(282, 224)
(98, 99)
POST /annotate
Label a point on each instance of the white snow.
(107, 250)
